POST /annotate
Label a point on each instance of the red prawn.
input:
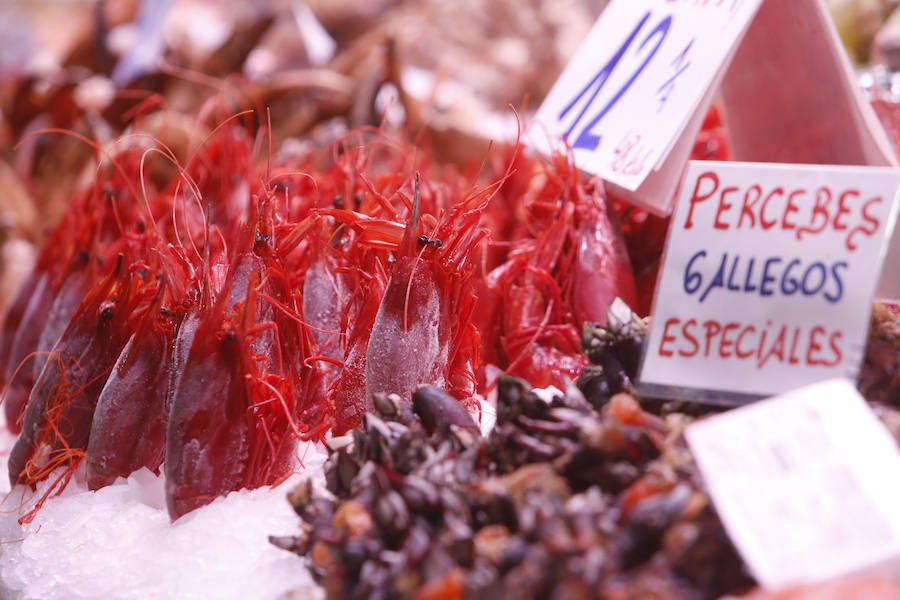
(232, 420)
(422, 331)
(273, 311)
(57, 422)
(129, 423)
(70, 262)
(410, 338)
(564, 271)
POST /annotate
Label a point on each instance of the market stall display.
(260, 241)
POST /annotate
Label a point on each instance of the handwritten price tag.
(768, 277)
(805, 483)
(638, 78)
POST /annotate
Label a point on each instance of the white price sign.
(638, 78)
(631, 101)
(767, 278)
(807, 484)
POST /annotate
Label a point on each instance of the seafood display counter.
(292, 309)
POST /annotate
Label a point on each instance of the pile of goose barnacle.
(587, 495)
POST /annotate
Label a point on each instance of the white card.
(790, 94)
(807, 484)
(635, 82)
(768, 276)
(785, 84)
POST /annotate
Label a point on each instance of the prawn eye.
(423, 240)
(230, 335)
(106, 312)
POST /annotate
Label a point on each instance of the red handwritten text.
(804, 211)
(790, 344)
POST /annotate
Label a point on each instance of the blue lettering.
(767, 278)
(692, 279)
(586, 139)
(837, 280)
(718, 280)
(748, 285)
(789, 284)
(816, 267)
(731, 285)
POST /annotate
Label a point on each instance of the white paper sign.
(632, 100)
(768, 277)
(638, 78)
(807, 484)
(790, 94)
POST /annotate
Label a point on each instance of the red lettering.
(870, 220)
(737, 340)
(776, 349)
(793, 359)
(749, 206)
(737, 347)
(666, 337)
(723, 207)
(814, 346)
(820, 209)
(833, 343)
(727, 343)
(791, 208)
(689, 336)
(769, 223)
(698, 197)
(843, 209)
(712, 329)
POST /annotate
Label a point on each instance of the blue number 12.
(586, 139)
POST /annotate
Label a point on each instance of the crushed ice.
(118, 543)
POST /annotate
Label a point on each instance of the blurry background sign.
(788, 95)
(638, 88)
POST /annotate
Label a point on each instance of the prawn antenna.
(410, 240)
(205, 291)
(408, 247)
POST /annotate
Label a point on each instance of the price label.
(767, 278)
(806, 484)
(629, 92)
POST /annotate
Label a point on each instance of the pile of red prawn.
(202, 326)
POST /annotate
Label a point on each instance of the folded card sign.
(768, 276)
(631, 101)
(805, 483)
(638, 78)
